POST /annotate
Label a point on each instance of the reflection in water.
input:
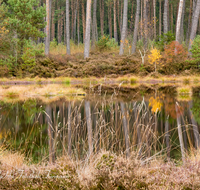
(82, 128)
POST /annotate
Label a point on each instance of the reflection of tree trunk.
(167, 136)
(50, 134)
(125, 126)
(180, 132)
(195, 127)
(69, 130)
(89, 126)
(64, 132)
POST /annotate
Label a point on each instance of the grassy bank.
(103, 171)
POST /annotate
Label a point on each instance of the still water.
(149, 122)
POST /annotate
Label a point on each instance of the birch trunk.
(115, 22)
(165, 17)
(87, 34)
(194, 24)
(178, 25)
(123, 35)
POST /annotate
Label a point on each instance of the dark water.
(119, 122)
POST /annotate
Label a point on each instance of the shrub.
(154, 57)
(105, 43)
(175, 52)
(195, 50)
(165, 39)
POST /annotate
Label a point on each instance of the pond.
(149, 120)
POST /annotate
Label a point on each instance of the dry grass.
(46, 93)
(104, 171)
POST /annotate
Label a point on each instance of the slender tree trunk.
(167, 136)
(94, 23)
(110, 19)
(189, 23)
(180, 132)
(165, 17)
(136, 27)
(59, 25)
(115, 22)
(123, 34)
(131, 24)
(69, 130)
(78, 22)
(50, 134)
(47, 29)
(160, 17)
(52, 22)
(87, 35)
(89, 125)
(125, 127)
(154, 17)
(194, 24)
(172, 19)
(118, 16)
(182, 23)
(145, 25)
(67, 27)
(180, 10)
(72, 18)
(83, 19)
(75, 16)
(195, 127)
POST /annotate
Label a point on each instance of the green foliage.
(196, 109)
(195, 50)
(105, 43)
(30, 51)
(165, 39)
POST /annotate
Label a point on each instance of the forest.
(100, 94)
(150, 35)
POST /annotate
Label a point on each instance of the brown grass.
(104, 171)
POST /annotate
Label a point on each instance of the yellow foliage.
(154, 56)
(155, 104)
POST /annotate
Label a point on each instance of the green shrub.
(195, 50)
(105, 43)
(165, 39)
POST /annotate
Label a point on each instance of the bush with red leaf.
(174, 52)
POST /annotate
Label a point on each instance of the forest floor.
(99, 65)
(104, 170)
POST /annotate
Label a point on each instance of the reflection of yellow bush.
(155, 104)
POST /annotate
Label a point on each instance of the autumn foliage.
(174, 52)
(154, 57)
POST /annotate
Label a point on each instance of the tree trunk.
(145, 25)
(52, 22)
(189, 23)
(67, 27)
(160, 17)
(110, 19)
(180, 132)
(182, 23)
(78, 22)
(123, 34)
(178, 25)
(154, 18)
(165, 17)
(69, 130)
(131, 24)
(194, 24)
(115, 22)
(59, 25)
(89, 125)
(172, 19)
(87, 36)
(136, 27)
(74, 28)
(94, 23)
(119, 24)
(83, 19)
(125, 127)
(47, 29)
